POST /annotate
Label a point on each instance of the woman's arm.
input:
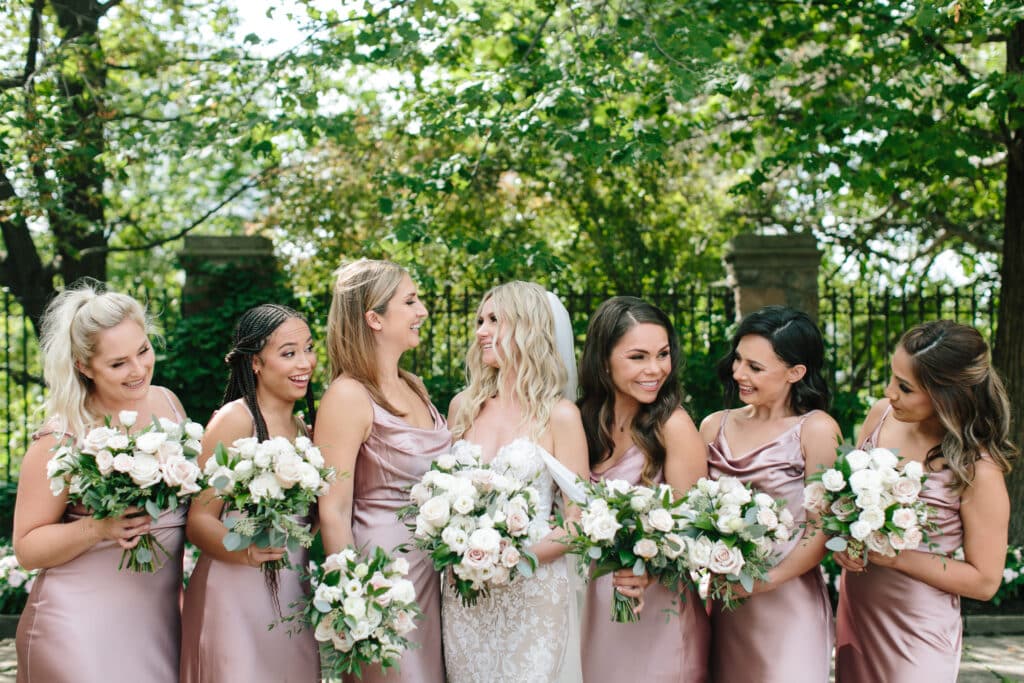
(204, 527)
(41, 539)
(686, 454)
(343, 423)
(985, 512)
(570, 448)
(819, 439)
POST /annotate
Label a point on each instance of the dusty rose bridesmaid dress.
(86, 621)
(670, 642)
(784, 635)
(392, 459)
(892, 627)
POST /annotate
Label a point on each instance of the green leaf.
(233, 541)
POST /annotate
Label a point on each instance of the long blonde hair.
(951, 362)
(530, 362)
(359, 287)
(69, 330)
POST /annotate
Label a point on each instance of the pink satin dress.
(225, 620)
(892, 627)
(87, 621)
(394, 457)
(670, 642)
(783, 635)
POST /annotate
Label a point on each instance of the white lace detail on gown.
(527, 631)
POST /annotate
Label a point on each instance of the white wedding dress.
(528, 631)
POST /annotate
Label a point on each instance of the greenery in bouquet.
(112, 472)
(866, 502)
(731, 538)
(1013, 576)
(360, 609)
(273, 484)
(15, 582)
(476, 521)
(623, 526)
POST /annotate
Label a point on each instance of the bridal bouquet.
(476, 520)
(111, 470)
(363, 607)
(271, 483)
(623, 526)
(730, 539)
(866, 502)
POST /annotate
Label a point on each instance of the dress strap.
(721, 424)
(174, 409)
(872, 439)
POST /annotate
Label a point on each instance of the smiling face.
(762, 377)
(122, 366)
(640, 362)
(400, 323)
(488, 329)
(909, 401)
(286, 363)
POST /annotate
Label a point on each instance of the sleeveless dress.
(892, 627)
(394, 457)
(527, 631)
(225, 620)
(87, 621)
(784, 635)
(670, 642)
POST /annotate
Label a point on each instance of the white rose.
(728, 485)
(661, 519)
(874, 517)
(729, 519)
(766, 517)
(169, 450)
(403, 622)
(170, 427)
(882, 458)
(642, 500)
(56, 486)
(221, 478)
(896, 541)
(117, 442)
(419, 494)
(123, 462)
(354, 606)
(145, 470)
(763, 500)
(246, 447)
(342, 642)
(699, 551)
(600, 527)
(866, 499)
(263, 457)
(858, 459)
(865, 480)
(455, 538)
(913, 469)
(150, 441)
(314, 457)
(324, 632)
(423, 528)
(906, 490)
(105, 462)
(463, 505)
(446, 461)
(194, 430)
(645, 548)
(97, 439)
(833, 480)
(510, 557)
(912, 537)
(725, 560)
(400, 565)
(403, 592)
(182, 473)
(860, 530)
(435, 511)
(878, 541)
(127, 418)
(815, 497)
(736, 497)
(673, 546)
(288, 468)
(265, 487)
(618, 486)
(904, 518)
(244, 469)
(517, 521)
(309, 477)
(487, 540)
(786, 517)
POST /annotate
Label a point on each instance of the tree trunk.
(1009, 345)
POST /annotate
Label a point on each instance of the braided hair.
(254, 329)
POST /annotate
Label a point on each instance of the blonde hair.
(359, 287)
(70, 328)
(531, 364)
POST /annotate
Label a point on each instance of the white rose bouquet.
(270, 483)
(478, 521)
(111, 470)
(623, 526)
(731, 538)
(15, 582)
(361, 610)
(865, 501)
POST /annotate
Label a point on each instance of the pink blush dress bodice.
(670, 642)
(394, 457)
(892, 627)
(783, 635)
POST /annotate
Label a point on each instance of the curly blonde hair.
(530, 365)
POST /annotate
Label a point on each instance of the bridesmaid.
(228, 605)
(378, 423)
(85, 620)
(783, 632)
(945, 407)
(637, 431)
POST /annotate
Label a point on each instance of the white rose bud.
(645, 548)
(904, 518)
(860, 530)
(858, 459)
(145, 470)
(194, 430)
(833, 480)
(913, 469)
(127, 418)
(661, 519)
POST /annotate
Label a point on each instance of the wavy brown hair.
(613, 319)
(951, 362)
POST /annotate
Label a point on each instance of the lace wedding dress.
(527, 631)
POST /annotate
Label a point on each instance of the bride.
(514, 410)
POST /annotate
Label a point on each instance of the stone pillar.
(210, 260)
(773, 269)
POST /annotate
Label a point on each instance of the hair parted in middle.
(253, 330)
(359, 287)
(796, 340)
(612, 320)
(530, 364)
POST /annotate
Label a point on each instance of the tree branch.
(34, 24)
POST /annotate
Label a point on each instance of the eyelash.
(142, 352)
